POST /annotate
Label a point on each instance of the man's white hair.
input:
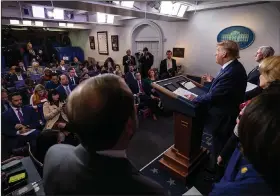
(266, 51)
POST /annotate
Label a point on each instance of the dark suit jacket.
(254, 76)
(164, 73)
(146, 64)
(224, 97)
(135, 87)
(126, 62)
(76, 80)
(129, 79)
(70, 170)
(13, 78)
(62, 92)
(10, 119)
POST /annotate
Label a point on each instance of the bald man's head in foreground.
(101, 111)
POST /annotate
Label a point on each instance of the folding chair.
(19, 84)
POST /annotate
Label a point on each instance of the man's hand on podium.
(190, 97)
(207, 78)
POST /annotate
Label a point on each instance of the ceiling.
(85, 12)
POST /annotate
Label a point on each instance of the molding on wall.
(155, 27)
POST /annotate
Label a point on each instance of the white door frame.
(155, 27)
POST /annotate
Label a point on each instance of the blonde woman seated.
(118, 71)
(39, 96)
(35, 69)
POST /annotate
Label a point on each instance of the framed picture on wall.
(115, 42)
(102, 39)
(91, 42)
(179, 52)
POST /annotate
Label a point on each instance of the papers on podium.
(188, 85)
(27, 133)
(250, 86)
(183, 92)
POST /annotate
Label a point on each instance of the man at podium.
(224, 97)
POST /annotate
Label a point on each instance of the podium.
(186, 153)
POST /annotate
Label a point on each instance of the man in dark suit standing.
(147, 61)
(130, 77)
(99, 165)
(19, 120)
(168, 66)
(64, 88)
(128, 59)
(254, 75)
(73, 79)
(224, 97)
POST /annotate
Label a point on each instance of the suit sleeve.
(7, 129)
(123, 61)
(48, 113)
(222, 91)
(161, 67)
(175, 65)
(253, 93)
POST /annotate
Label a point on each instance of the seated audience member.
(168, 66)
(85, 75)
(46, 77)
(18, 75)
(54, 112)
(19, 120)
(128, 59)
(118, 69)
(22, 67)
(104, 70)
(105, 134)
(143, 91)
(53, 68)
(109, 64)
(79, 69)
(253, 76)
(39, 96)
(254, 166)
(119, 73)
(53, 83)
(76, 62)
(269, 79)
(73, 80)
(62, 68)
(35, 69)
(130, 77)
(5, 105)
(64, 88)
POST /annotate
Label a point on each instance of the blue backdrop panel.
(68, 53)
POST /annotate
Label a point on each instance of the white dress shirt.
(169, 63)
(19, 77)
(226, 64)
(62, 68)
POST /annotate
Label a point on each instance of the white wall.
(198, 36)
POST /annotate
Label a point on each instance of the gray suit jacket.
(70, 170)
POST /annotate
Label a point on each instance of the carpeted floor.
(153, 138)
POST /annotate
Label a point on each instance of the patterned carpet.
(174, 185)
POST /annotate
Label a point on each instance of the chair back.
(19, 84)
(35, 77)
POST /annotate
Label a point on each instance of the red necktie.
(140, 86)
(20, 116)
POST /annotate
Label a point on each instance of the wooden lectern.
(186, 153)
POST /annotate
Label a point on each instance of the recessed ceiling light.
(101, 17)
(70, 25)
(62, 24)
(26, 22)
(127, 4)
(58, 14)
(182, 10)
(14, 22)
(39, 23)
(38, 12)
(110, 19)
